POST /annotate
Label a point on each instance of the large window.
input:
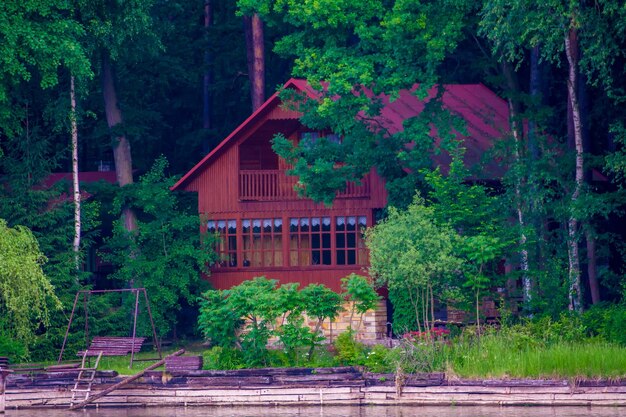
(350, 245)
(302, 241)
(310, 241)
(226, 246)
(262, 242)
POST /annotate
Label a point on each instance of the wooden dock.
(306, 386)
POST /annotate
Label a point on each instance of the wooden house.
(245, 196)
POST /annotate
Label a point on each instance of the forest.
(144, 88)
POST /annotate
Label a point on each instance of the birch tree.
(561, 26)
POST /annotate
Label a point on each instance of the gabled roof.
(485, 115)
(269, 104)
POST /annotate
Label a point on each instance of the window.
(226, 247)
(310, 241)
(262, 242)
(349, 242)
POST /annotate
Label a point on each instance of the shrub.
(349, 350)
(222, 358)
(607, 321)
(379, 360)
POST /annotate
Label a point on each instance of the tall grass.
(499, 355)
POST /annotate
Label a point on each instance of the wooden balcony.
(276, 185)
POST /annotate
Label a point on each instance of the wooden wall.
(330, 276)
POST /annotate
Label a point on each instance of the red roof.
(485, 115)
(87, 176)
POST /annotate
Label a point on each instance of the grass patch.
(496, 357)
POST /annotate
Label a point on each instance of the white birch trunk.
(75, 183)
(572, 224)
(518, 203)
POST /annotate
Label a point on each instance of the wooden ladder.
(84, 380)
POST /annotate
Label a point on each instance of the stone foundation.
(372, 326)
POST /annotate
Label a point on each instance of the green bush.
(379, 360)
(349, 350)
(222, 358)
(13, 349)
(607, 321)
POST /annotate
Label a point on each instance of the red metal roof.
(485, 115)
(87, 176)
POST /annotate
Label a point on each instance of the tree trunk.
(121, 146)
(591, 267)
(75, 184)
(571, 47)
(255, 48)
(517, 152)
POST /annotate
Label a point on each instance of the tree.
(26, 294)
(560, 27)
(170, 256)
(343, 48)
(113, 31)
(422, 263)
(255, 51)
(38, 39)
(359, 291)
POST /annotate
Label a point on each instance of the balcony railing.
(276, 185)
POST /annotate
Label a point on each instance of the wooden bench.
(113, 346)
(183, 363)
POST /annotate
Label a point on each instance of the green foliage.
(344, 48)
(217, 321)
(349, 350)
(422, 257)
(607, 321)
(379, 360)
(361, 293)
(39, 39)
(222, 358)
(249, 314)
(517, 353)
(165, 254)
(26, 294)
(321, 302)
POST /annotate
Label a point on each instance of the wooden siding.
(276, 185)
(329, 276)
(218, 193)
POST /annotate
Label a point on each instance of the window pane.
(326, 259)
(351, 240)
(341, 257)
(362, 221)
(341, 223)
(341, 240)
(351, 257)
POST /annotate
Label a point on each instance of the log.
(125, 381)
